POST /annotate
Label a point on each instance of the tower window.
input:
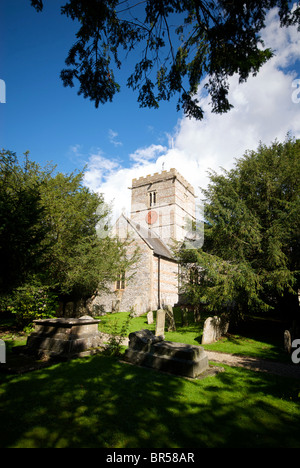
(152, 198)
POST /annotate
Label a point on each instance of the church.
(162, 211)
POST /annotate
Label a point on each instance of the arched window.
(152, 198)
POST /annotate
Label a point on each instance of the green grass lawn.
(101, 402)
(266, 347)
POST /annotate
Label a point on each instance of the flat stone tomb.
(177, 358)
(64, 338)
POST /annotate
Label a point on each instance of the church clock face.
(151, 217)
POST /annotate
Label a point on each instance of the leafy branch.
(213, 39)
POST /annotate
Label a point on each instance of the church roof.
(153, 240)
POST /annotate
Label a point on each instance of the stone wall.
(141, 291)
(137, 293)
(168, 282)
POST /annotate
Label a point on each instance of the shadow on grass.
(101, 402)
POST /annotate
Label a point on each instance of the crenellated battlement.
(162, 176)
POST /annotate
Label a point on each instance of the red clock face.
(151, 217)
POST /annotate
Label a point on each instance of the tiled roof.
(153, 240)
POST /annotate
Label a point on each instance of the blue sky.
(120, 141)
(47, 119)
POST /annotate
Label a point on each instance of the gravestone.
(170, 318)
(160, 323)
(184, 317)
(150, 318)
(287, 341)
(2, 352)
(138, 306)
(64, 338)
(148, 350)
(214, 328)
(197, 314)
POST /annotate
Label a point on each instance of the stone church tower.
(164, 203)
(162, 210)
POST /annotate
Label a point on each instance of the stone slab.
(150, 319)
(64, 338)
(160, 322)
(177, 358)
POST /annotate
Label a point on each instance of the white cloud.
(145, 155)
(112, 138)
(263, 111)
(99, 169)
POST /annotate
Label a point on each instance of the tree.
(21, 227)
(49, 242)
(214, 38)
(250, 260)
(78, 261)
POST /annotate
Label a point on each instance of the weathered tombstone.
(64, 338)
(150, 318)
(170, 318)
(287, 341)
(184, 317)
(2, 352)
(148, 350)
(160, 323)
(138, 306)
(197, 314)
(214, 328)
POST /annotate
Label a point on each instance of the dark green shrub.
(32, 302)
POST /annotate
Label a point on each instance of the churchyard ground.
(101, 401)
